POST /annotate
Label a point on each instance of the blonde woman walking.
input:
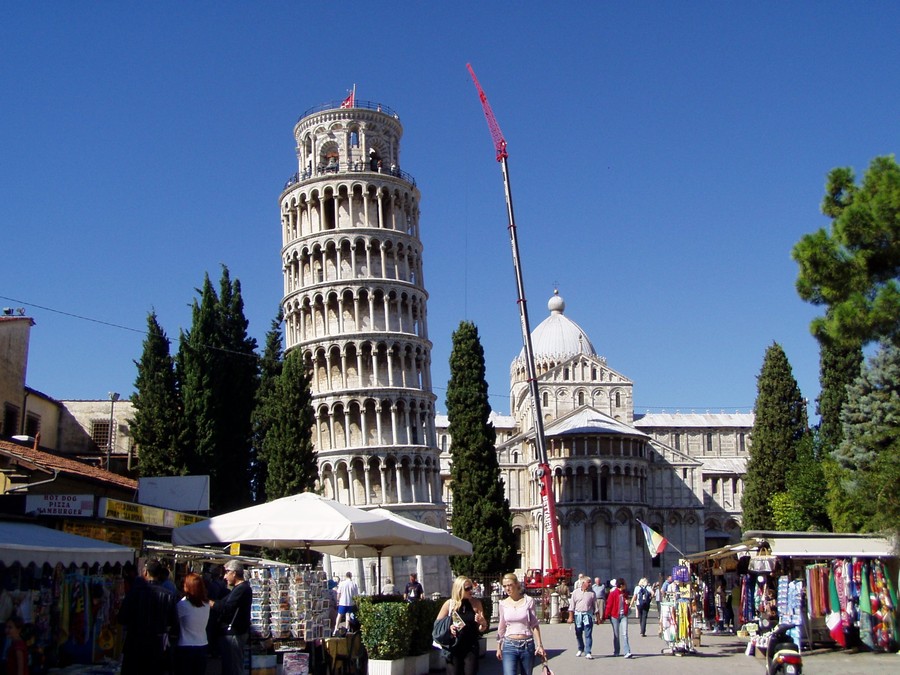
(519, 632)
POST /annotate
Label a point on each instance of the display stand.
(290, 616)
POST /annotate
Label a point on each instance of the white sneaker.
(629, 656)
(589, 656)
(578, 653)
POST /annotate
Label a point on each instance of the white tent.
(27, 543)
(305, 520)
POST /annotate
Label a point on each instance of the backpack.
(644, 597)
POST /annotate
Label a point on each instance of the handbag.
(545, 668)
(441, 636)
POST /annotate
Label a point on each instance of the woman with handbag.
(467, 623)
(519, 632)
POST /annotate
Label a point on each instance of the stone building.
(681, 473)
(355, 306)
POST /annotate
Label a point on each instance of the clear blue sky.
(665, 157)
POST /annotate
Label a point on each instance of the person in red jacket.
(617, 613)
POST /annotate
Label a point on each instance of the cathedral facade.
(681, 473)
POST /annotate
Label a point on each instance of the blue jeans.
(584, 627)
(518, 657)
(620, 634)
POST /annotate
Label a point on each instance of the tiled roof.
(65, 465)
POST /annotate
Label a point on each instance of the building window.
(10, 420)
(618, 400)
(100, 433)
(677, 441)
(565, 373)
(354, 139)
(32, 425)
(709, 442)
(580, 398)
(743, 442)
(593, 373)
(546, 401)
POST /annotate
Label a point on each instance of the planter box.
(382, 667)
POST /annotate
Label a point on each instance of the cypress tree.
(270, 366)
(157, 407)
(779, 425)
(287, 448)
(839, 364)
(481, 513)
(217, 367)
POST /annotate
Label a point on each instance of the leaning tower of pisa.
(355, 306)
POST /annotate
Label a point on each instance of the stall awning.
(27, 543)
(833, 546)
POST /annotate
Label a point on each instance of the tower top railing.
(349, 167)
(336, 105)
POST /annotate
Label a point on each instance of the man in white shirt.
(347, 591)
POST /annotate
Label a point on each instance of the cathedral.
(681, 473)
(355, 306)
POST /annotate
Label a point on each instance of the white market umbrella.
(305, 520)
(434, 541)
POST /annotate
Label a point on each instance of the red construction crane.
(555, 571)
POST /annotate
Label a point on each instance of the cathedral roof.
(590, 421)
(557, 336)
(697, 420)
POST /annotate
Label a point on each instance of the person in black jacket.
(233, 613)
(151, 624)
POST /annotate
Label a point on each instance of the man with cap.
(233, 613)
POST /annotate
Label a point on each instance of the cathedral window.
(677, 441)
(709, 442)
(565, 373)
(593, 373)
(546, 401)
(580, 398)
(618, 400)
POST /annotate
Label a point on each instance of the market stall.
(831, 587)
(66, 589)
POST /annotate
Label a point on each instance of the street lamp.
(113, 397)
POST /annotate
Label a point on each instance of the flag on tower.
(349, 101)
(656, 543)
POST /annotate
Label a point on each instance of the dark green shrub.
(385, 628)
(421, 616)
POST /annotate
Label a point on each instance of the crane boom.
(543, 474)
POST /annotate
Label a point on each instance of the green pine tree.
(853, 268)
(481, 512)
(157, 407)
(779, 425)
(870, 452)
(839, 367)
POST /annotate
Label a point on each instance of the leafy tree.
(853, 268)
(481, 513)
(157, 407)
(779, 425)
(270, 366)
(803, 505)
(870, 452)
(287, 448)
(217, 366)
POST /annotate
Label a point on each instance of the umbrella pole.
(378, 578)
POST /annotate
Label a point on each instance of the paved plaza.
(717, 654)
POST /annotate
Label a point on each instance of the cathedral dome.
(558, 337)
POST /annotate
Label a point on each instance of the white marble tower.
(355, 305)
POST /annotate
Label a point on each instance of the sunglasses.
(467, 588)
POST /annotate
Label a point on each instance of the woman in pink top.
(519, 633)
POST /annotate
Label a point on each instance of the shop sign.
(115, 509)
(115, 534)
(72, 506)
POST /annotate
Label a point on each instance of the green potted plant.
(385, 629)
